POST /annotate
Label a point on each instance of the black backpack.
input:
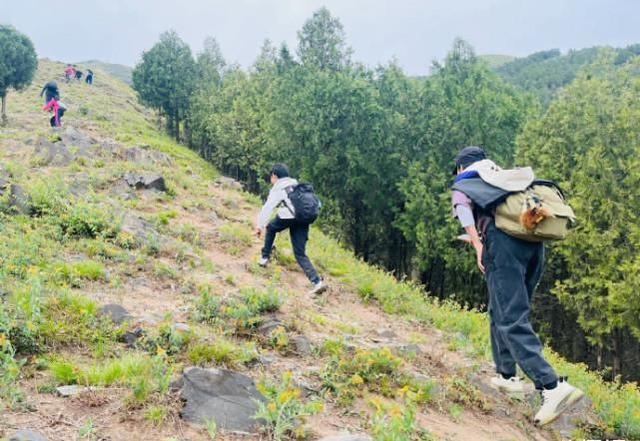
(306, 205)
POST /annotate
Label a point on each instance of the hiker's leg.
(510, 258)
(273, 228)
(502, 358)
(504, 362)
(299, 236)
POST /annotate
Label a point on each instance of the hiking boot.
(513, 385)
(263, 262)
(318, 288)
(555, 401)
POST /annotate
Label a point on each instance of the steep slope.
(119, 71)
(371, 356)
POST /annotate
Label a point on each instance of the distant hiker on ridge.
(297, 207)
(50, 90)
(69, 72)
(78, 74)
(89, 77)
(512, 267)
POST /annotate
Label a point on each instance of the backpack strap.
(288, 190)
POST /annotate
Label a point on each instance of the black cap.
(468, 156)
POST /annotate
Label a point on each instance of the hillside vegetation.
(373, 355)
(544, 73)
(349, 129)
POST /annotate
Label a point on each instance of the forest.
(378, 146)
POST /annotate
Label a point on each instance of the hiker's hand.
(479, 257)
(258, 232)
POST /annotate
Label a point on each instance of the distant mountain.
(544, 73)
(119, 71)
(496, 60)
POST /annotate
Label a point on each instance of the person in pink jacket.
(58, 109)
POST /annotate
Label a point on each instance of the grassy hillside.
(383, 358)
(119, 71)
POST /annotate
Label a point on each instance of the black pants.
(513, 270)
(89, 79)
(299, 235)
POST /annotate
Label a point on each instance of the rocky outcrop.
(145, 180)
(226, 397)
(115, 312)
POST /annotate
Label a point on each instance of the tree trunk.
(617, 352)
(4, 110)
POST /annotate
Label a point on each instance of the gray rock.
(407, 348)
(269, 325)
(227, 397)
(115, 312)
(19, 200)
(301, 345)
(181, 327)
(385, 333)
(138, 227)
(71, 390)
(266, 359)
(226, 182)
(27, 435)
(348, 437)
(79, 183)
(144, 155)
(131, 337)
(73, 136)
(52, 153)
(145, 180)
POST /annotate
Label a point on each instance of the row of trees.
(378, 146)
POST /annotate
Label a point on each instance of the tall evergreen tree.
(165, 79)
(322, 42)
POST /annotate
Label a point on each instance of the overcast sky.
(413, 31)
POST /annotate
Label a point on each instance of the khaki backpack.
(536, 214)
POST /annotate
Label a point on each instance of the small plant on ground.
(235, 237)
(284, 411)
(222, 352)
(243, 312)
(393, 421)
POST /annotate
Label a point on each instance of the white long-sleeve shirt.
(277, 195)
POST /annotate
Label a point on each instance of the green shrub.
(143, 375)
(222, 352)
(396, 422)
(207, 307)
(284, 411)
(74, 273)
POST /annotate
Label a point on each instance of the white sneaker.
(513, 385)
(318, 288)
(555, 401)
(263, 261)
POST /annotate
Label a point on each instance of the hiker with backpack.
(89, 77)
(297, 207)
(507, 215)
(50, 90)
